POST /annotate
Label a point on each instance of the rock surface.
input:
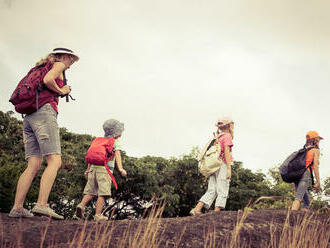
(257, 228)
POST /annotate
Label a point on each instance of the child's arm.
(119, 163)
(228, 161)
(87, 171)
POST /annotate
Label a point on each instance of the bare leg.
(86, 199)
(80, 209)
(198, 209)
(217, 209)
(25, 180)
(99, 205)
(295, 205)
(48, 177)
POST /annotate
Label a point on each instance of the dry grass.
(235, 240)
(296, 231)
(305, 233)
(146, 233)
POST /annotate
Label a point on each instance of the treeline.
(174, 180)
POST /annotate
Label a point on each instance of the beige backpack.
(209, 159)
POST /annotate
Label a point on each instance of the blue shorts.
(41, 134)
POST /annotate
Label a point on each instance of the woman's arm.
(52, 75)
(316, 168)
(228, 161)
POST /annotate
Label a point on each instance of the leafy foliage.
(175, 181)
(246, 186)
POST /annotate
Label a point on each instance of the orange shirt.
(310, 158)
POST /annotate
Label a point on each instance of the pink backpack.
(101, 152)
(31, 93)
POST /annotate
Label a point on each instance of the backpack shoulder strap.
(208, 145)
(111, 175)
(65, 83)
(109, 148)
(309, 148)
(48, 65)
(111, 154)
(306, 149)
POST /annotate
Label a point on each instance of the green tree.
(327, 187)
(246, 187)
(285, 193)
(187, 184)
(12, 162)
(174, 180)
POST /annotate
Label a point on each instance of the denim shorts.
(41, 134)
(99, 181)
(302, 185)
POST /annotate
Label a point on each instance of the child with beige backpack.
(215, 161)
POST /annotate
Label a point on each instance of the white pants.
(218, 188)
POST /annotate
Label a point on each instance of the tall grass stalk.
(43, 234)
(146, 232)
(235, 240)
(210, 237)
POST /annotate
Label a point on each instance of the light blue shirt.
(116, 147)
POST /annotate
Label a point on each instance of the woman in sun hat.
(218, 182)
(41, 136)
(312, 158)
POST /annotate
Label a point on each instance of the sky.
(169, 69)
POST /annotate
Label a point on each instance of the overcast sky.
(168, 69)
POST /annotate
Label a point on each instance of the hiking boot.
(17, 213)
(80, 211)
(47, 211)
(100, 217)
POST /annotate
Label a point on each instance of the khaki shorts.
(41, 133)
(99, 182)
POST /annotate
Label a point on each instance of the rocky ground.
(257, 228)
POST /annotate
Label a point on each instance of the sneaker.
(100, 217)
(17, 213)
(46, 211)
(80, 211)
